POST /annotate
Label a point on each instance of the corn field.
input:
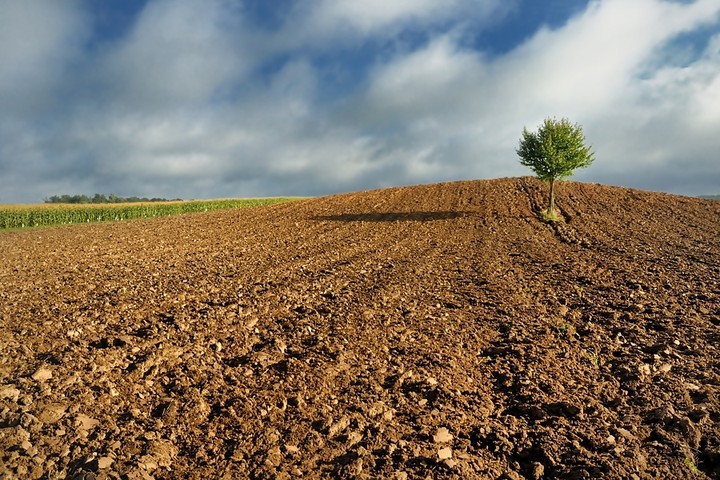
(24, 216)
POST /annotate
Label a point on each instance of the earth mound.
(436, 331)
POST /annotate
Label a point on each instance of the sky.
(240, 98)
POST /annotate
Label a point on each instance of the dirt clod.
(442, 436)
(445, 453)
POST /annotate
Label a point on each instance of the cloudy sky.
(233, 98)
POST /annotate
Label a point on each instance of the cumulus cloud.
(599, 69)
(379, 17)
(665, 130)
(38, 42)
(597, 55)
(197, 100)
(178, 52)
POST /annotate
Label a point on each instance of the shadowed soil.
(437, 331)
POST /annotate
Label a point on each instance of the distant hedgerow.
(100, 198)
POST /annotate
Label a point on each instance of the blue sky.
(232, 98)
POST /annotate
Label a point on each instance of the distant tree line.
(710, 197)
(100, 198)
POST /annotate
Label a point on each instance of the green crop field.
(24, 216)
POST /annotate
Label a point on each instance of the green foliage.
(554, 152)
(693, 468)
(44, 215)
(594, 358)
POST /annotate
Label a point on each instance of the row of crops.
(23, 216)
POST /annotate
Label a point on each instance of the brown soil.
(437, 331)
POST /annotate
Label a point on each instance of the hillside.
(436, 331)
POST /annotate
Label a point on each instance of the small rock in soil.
(42, 374)
(442, 436)
(445, 453)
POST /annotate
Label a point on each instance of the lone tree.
(554, 152)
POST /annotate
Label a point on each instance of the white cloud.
(664, 131)
(596, 56)
(705, 85)
(38, 39)
(195, 101)
(374, 15)
(346, 21)
(430, 80)
(179, 51)
(465, 111)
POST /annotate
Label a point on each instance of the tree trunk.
(551, 210)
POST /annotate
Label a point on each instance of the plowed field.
(437, 331)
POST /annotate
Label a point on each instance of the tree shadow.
(394, 216)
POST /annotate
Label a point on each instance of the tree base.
(550, 216)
